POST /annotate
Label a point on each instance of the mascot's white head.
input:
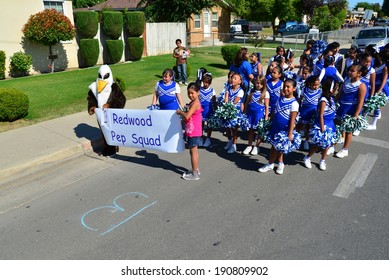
(105, 79)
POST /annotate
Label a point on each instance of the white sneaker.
(330, 151)
(371, 127)
(254, 151)
(228, 145)
(306, 145)
(247, 150)
(191, 171)
(322, 165)
(280, 168)
(342, 153)
(307, 162)
(340, 141)
(267, 167)
(207, 143)
(232, 149)
(191, 176)
(201, 142)
(356, 133)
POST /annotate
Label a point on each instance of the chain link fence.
(259, 40)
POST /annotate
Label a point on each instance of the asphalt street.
(136, 206)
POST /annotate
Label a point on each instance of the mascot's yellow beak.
(101, 85)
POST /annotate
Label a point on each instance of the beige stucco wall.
(13, 16)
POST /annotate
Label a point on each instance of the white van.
(376, 37)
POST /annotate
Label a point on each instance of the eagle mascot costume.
(105, 93)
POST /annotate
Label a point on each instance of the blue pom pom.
(282, 143)
(323, 139)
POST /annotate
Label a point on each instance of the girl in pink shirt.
(193, 129)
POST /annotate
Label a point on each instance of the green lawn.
(59, 94)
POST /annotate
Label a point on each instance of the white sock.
(374, 122)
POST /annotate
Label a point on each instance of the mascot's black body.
(105, 93)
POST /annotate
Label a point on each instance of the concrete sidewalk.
(28, 149)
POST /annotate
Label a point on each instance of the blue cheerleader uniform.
(255, 69)
(281, 118)
(349, 99)
(331, 73)
(300, 86)
(318, 67)
(309, 104)
(328, 137)
(255, 110)
(232, 94)
(205, 97)
(274, 91)
(378, 79)
(167, 95)
(366, 80)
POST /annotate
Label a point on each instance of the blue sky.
(352, 3)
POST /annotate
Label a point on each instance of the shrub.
(112, 24)
(89, 51)
(135, 46)
(2, 65)
(20, 64)
(87, 24)
(135, 23)
(48, 28)
(13, 104)
(115, 50)
(121, 83)
(229, 52)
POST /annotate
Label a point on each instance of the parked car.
(376, 37)
(381, 22)
(243, 26)
(293, 29)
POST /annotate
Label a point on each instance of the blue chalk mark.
(116, 207)
(129, 218)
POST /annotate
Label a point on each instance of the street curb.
(22, 170)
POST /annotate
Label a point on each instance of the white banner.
(159, 130)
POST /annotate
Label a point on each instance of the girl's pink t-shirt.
(193, 126)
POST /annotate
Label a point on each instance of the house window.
(214, 20)
(197, 21)
(58, 5)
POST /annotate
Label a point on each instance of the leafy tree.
(385, 7)
(86, 3)
(269, 10)
(328, 18)
(368, 6)
(48, 28)
(173, 10)
(308, 6)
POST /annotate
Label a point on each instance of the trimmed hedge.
(13, 104)
(20, 64)
(120, 82)
(87, 24)
(115, 50)
(134, 23)
(2, 65)
(112, 24)
(89, 51)
(135, 45)
(229, 52)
